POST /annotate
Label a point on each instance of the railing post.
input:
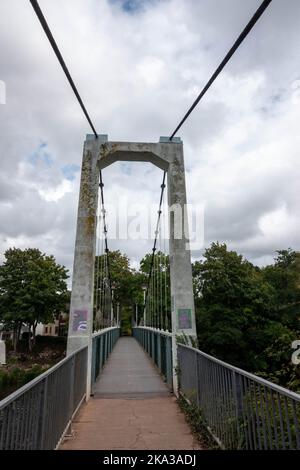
(152, 345)
(89, 369)
(102, 353)
(94, 360)
(169, 367)
(238, 403)
(159, 351)
(174, 363)
(196, 376)
(71, 394)
(40, 444)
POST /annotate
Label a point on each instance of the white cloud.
(151, 70)
(137, 74)
(55, 194)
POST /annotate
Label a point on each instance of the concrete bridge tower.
(98, 154)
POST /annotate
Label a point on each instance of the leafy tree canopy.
(32, 287)
(238, 307)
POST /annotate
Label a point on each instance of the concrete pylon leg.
(182, 297)
(81, 309)
(168, 156)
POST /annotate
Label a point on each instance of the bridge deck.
(131, 408)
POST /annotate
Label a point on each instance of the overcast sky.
(138, 66)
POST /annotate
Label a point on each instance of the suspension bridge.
(114, 392)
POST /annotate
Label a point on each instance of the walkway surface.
(131, 408)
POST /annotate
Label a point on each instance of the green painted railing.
(103, 343)
(158, 344)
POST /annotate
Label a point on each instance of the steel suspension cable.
(150, 274)
(160, 279)
(57, 52)
(101, 185)
(59, 56)
(101, 291)
(226, 59)
(97, 267)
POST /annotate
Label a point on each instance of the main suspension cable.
(56, 50)
(226, 59)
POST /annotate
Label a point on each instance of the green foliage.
(32, 288)
(11, 380)
(284, 277)
(159, 290)
(187, 340)
(127, 283)
(197, 423)
(245, 315)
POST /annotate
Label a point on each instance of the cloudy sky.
(139, 64)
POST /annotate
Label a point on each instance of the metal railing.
(241, 410)
(102, 345)
(37, 415)
(158, 344)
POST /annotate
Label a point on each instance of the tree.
(127, 284)
(32, 288)
(284, 276)
(159, 299)
(249, 316)
(234, 307)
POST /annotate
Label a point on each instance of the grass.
(197, 424)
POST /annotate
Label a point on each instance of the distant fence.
(38, 414)
(102, 345)
(241, 410)
(158, 344)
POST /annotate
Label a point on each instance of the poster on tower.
(184, 316)
(80, 320)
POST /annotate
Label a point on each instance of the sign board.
(80, 320)
(184, 316)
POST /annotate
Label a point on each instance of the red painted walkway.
(131, 409)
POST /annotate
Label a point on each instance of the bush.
(32, 373)
(51, 340)
(3, 378)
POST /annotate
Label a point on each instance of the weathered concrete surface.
(98, 154)
(147, 419)
(2, 352)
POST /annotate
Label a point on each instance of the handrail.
(37, 415)
(103, 342)
(105, 330)
(38, 379)
(249, 375)
(156, 330)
